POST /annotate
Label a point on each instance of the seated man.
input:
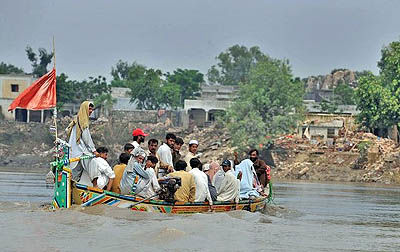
(134, 172)
(106, 174)
(201, 181)
(148, 187)
(119, 170)
(187, 191)
(192, 153)
(248, 187)
(210, 170)
(230, 185)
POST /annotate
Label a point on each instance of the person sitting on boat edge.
(187, 191)
(165, 154)
(80, 140)
(134, 172)
(149, 187)
(119, 171)
(230, 186)
(106, 174)
(138, 137)
(201, 181)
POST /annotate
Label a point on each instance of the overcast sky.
(316, 36)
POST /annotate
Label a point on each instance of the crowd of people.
(140, 169)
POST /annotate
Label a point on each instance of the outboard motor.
(169, 185)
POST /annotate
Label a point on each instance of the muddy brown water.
(305, 217)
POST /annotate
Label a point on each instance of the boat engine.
(169, 185)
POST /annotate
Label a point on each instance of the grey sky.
(91, 36)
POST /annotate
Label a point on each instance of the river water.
(305, 217)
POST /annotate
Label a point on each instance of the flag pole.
(55, 108)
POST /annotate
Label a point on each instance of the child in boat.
(106, 174)
(119, 170)
(148, 188)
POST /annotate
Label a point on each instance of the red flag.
(40, 95)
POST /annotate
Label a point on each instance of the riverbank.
(360, 157)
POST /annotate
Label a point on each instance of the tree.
(39, 68)
(189, 82)
(343, 95)
(65, 90)
(378, 107)
(8, 69)
(268, 103)
(378, 97)
(234, 65)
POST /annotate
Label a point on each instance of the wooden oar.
(143, 200)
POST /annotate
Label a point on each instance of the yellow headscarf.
(81, 120)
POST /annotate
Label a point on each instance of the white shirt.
(150, 186)
(201, 181)
(165, 154)
(105, 169)
(230, 188)
(135, 144)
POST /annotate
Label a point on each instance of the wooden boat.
(67, 193)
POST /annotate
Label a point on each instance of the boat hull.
(89, 196)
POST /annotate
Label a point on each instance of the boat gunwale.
(164, 203)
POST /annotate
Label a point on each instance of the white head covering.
(193, 142)
(139, 152)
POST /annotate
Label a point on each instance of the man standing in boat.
(165, 154)
(81, 143)
(138, 137)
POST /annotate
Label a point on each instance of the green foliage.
(189, 82)
(151, 90)
(378, 107)
(344, 95)
(39, 64)
(268, 104)
(389, 65)
(95, 89)
(234, 65)
(329, 107)
(8, 69)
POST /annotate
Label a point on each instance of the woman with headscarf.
(134, 172)
(81, 143)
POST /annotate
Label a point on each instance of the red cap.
(139, 132)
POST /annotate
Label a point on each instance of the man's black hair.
(152, 141)
(180, 165)
(179, 141)
(91, 105)
(124, 158)
(254, 150)
(128, 146)
(152, 159)
(170, 136)
(102, 150)
(195, 163)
